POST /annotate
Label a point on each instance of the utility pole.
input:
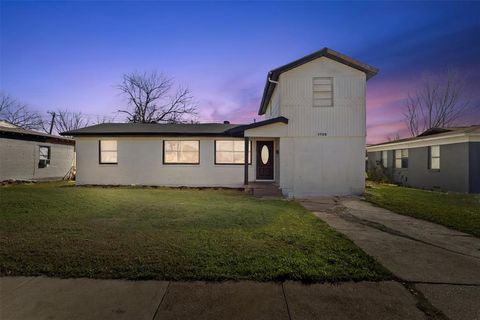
(52, 122)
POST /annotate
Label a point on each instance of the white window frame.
(45, 162)
(400, 156)
(320, 88)
(385, 158)
(233, 151)
(102, 150)
(431, 156)
(178, 151)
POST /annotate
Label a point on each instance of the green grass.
(58, 229)
(453, 210)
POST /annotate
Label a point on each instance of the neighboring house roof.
(14, 132)
(5, 123)
(325, 52)
(168, 129)
(432, 135)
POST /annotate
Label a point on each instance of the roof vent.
(226, 122)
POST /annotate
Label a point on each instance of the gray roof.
(325, 52)
(436, 132)
(11, 131)
(25, 131)
(167, 129)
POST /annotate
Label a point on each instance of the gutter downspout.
(272, 81)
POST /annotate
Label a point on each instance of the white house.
(311, 143)
(32, 155)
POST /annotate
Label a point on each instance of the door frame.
(273, 159)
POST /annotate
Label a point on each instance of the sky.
(71, 55)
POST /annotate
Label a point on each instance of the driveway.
(440, 265)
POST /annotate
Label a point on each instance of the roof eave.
(158, 134)
(325, 52)
(240, 130)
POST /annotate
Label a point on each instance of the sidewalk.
(442, 264)
(50, 298)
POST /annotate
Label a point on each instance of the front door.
(265, 160)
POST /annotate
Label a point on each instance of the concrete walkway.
(442, 264)
(49, 298)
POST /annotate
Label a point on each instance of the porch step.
(259, 189)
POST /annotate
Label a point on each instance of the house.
(31, 155)
(446, 159)
(312, 141)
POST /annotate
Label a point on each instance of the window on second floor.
(44, 156)
(401, 158)
(434, 157)
(322, 92)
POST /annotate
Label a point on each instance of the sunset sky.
(73, 54)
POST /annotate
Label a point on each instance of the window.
(181, 152)
(434, 161)
(322, 92)
(232, 152)
(108, 151)
(43, 156)
(384, 158)
(401, 158)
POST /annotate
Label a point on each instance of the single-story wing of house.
(31, 155)
(446, 159)
(312, 141)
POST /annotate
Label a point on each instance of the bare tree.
(67, 121)
(18, 113)
(153, 99)
(394, 138)
(103, 119)
(439, 102)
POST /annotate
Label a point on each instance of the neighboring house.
(445, 159)
(311, 143)
(32, 155)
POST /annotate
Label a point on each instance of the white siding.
(345, 118)
(324, 150)
(310, 166)
(273, 109)
(19, 160)
(140, 163)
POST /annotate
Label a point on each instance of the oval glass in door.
(264, 154)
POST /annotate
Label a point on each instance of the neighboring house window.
(434, 162)
(322, 92)
(108, 151)
(384, 159)
(232, 152)
(401, 158)
(43, 156)
(181, 152)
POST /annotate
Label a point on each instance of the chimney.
(226, 122)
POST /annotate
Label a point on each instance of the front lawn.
(58, 229)
(454, 210)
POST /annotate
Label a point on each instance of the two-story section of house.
(311, 143)
(322, 149)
